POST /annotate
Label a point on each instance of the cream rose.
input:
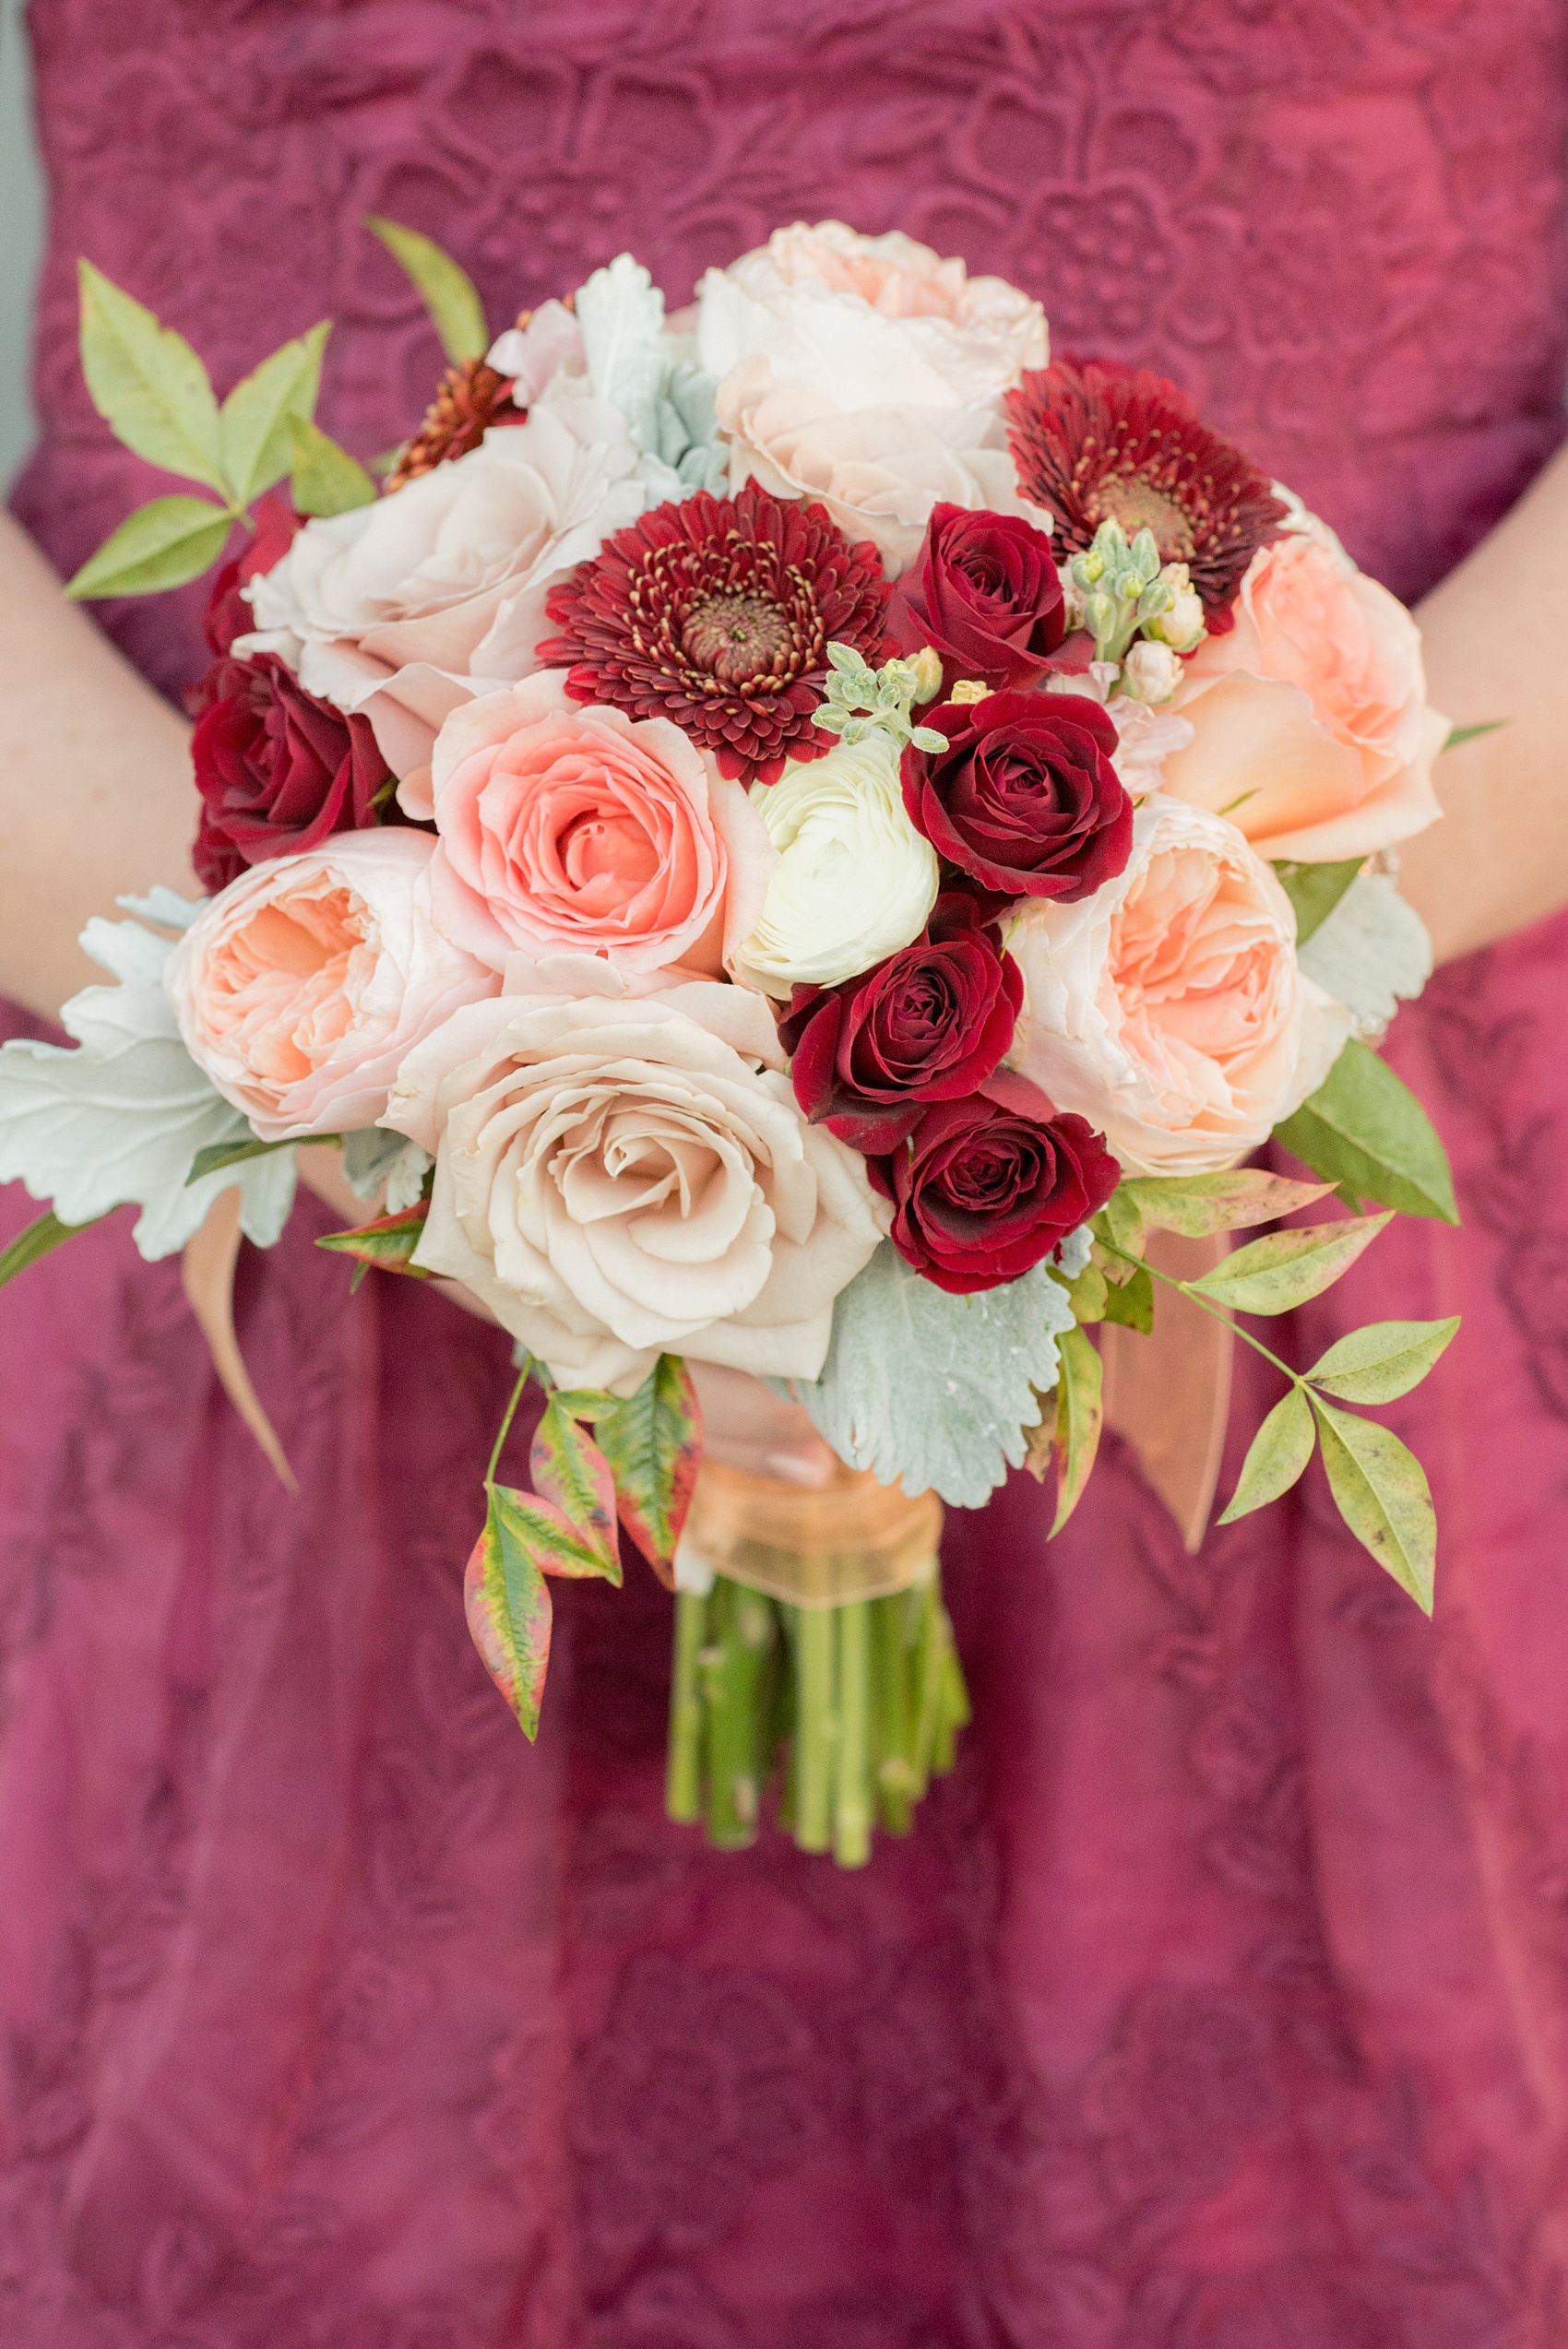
(1310, 717)
(854, 880)
(868, 321)
(406, 608)
(567, 829)
(1169, 1008)
(621, 1177)
(299, 989)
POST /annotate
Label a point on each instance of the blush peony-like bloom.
(854, 879)
(988, 1186)
(717, 612)
(564, 829)
(1097, 442)
(1025, 798)
(621, 1177)
(1310, 718)
(983, 593)
(929, 1023)
(299, 991)
(277, 769)
(1168, 1009)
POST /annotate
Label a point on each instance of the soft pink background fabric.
(1219, 2002)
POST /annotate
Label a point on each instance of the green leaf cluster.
(1367, 1133)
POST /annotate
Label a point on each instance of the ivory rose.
(1310, 717)
(301, 988)
(406, 608)
(618, 1177)
(566, 828)
(854, 879)
(1168, 1009)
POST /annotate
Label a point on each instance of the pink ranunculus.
(571, 829)
(1168, 1009)
(620, 1177)
(301, 988)
(1310, 717)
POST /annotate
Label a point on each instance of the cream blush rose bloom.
(1168, 1009)
(301, 988)
(617, 1179)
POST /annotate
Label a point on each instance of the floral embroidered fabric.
(1219, 2002)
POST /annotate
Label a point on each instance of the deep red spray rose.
(228, 615)
(927, 1025)
(986, 1187)
(1024, 798)
(983, 593)
(276, 769)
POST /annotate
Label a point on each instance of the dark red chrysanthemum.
(469, 397)
(1095, 442)
(717, 612)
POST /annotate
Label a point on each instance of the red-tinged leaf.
(570, 1472)
(389, 1241)
(653, 1445)
(507, 1605)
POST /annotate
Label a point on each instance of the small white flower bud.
(968, 688)
(1152, 673)
(1183, 626)
(926, 667)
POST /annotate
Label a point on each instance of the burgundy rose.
(985, 595)
(985, 1188)
(228, 615)
(1024, 798)
(276, 769)
(926, 1024)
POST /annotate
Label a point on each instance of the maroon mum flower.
(1024, 799)
(278, 770)
(985, 594)
(1095, 442)
(929, 1023)
(986, 1187)
(717, 612)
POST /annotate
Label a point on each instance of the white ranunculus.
(854, 880)
(1169, 1009)
(868, 321)
(621, 1177)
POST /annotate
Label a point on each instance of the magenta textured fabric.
(1219, 2002)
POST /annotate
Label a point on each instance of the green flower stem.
(507, 1422)
(729, 1675)
(891, 1722)
(1216, 1312)
(683, 1783)
(815, 1728)
(852, 1807)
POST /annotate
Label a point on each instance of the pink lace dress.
(1219, 2002)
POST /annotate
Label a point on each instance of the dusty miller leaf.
(1371, 952)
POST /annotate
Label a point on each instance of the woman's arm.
(1497, 646)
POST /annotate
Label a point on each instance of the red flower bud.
(1024, 798)
(985, 594)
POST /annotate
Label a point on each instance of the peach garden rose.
(1310, 719)
(301, 988)
(571, 829)
(1169, 1008)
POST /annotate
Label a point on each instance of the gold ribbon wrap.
(855, 1539)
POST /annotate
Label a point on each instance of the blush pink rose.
(1168, 1009)
(301, 988)
(1310, 719)
(566, 829)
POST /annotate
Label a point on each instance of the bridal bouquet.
(804, 837)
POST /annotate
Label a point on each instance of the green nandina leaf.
(1131, 1303)
(508, 1608)
(162, 544)
(1120, 1222)
(1281, 1271)
(218, 1155)
(449, 292)
(1366, 1131)
(1457, 734)
(389, 1241)
(1385, 1359)
(1382, 1495)
(36, 1239)
(1079, 1415)
(325, 480)
(256, 442)
(1276, 1457)
(1198, 1205)
(1315, 890)
(569, 1470)
(147, 383)
(653, 1443)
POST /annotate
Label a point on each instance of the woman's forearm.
(1497, 647)
(95, 786)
